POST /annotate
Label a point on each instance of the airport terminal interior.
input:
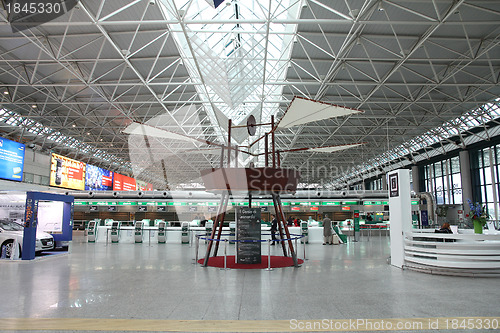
(249, 166)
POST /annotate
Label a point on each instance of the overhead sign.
(66, 172)
(123, 183)
(97, 179)
(330, 203)
(11, 159)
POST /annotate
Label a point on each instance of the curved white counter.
(465, 253)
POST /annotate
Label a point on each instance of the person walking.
(327, 231)
(274, 228)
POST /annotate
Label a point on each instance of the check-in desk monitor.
(185, 233)
(115, 232)
(139, 228)
(92, 232)
(162, 232)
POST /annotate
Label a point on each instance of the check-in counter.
(463, 253)
(174, 234)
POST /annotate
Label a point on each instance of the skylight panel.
(234, 59)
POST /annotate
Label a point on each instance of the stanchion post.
(225, 254)
(197, 246)
(304, 245)
(269, 255)
(107, 233)
(296, 244)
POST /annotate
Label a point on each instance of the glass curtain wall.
(489, 180)
(443, 180)
(375, 184)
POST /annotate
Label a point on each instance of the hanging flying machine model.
(270, 179)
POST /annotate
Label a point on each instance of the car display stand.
(31, 220)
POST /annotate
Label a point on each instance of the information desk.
(465, 253)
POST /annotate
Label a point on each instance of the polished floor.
(157, 287)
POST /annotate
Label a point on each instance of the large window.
(375, 184)
(443, 180)
(488, 168)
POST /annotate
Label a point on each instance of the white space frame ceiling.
(74, 84)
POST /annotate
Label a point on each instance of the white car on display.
(11, 231)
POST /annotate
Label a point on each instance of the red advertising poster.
(149, 187)
(128, 183)
(117, 182)
(123, 183)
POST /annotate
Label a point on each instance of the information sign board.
(248, 231)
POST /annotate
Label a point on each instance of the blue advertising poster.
(97, 179)
(11, 159)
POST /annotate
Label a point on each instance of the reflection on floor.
(162, 281)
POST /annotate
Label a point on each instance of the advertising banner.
(97, 179)
(11, 159)
(67, 173)
(143, 186)
(123, 183)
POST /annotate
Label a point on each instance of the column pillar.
(399, 212)
(465, 177)
(415, 179)
(384, 181)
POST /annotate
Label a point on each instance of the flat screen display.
(98, 179)
(66, 172)
(50, 216)
(11, 159)
(123, 183)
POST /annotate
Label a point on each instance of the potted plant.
(478, 215)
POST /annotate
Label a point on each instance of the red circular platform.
(276, 262)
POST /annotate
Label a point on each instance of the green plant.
(478, 212)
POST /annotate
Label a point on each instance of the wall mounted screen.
(67, 173)
(98, 179)
(11, 159)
